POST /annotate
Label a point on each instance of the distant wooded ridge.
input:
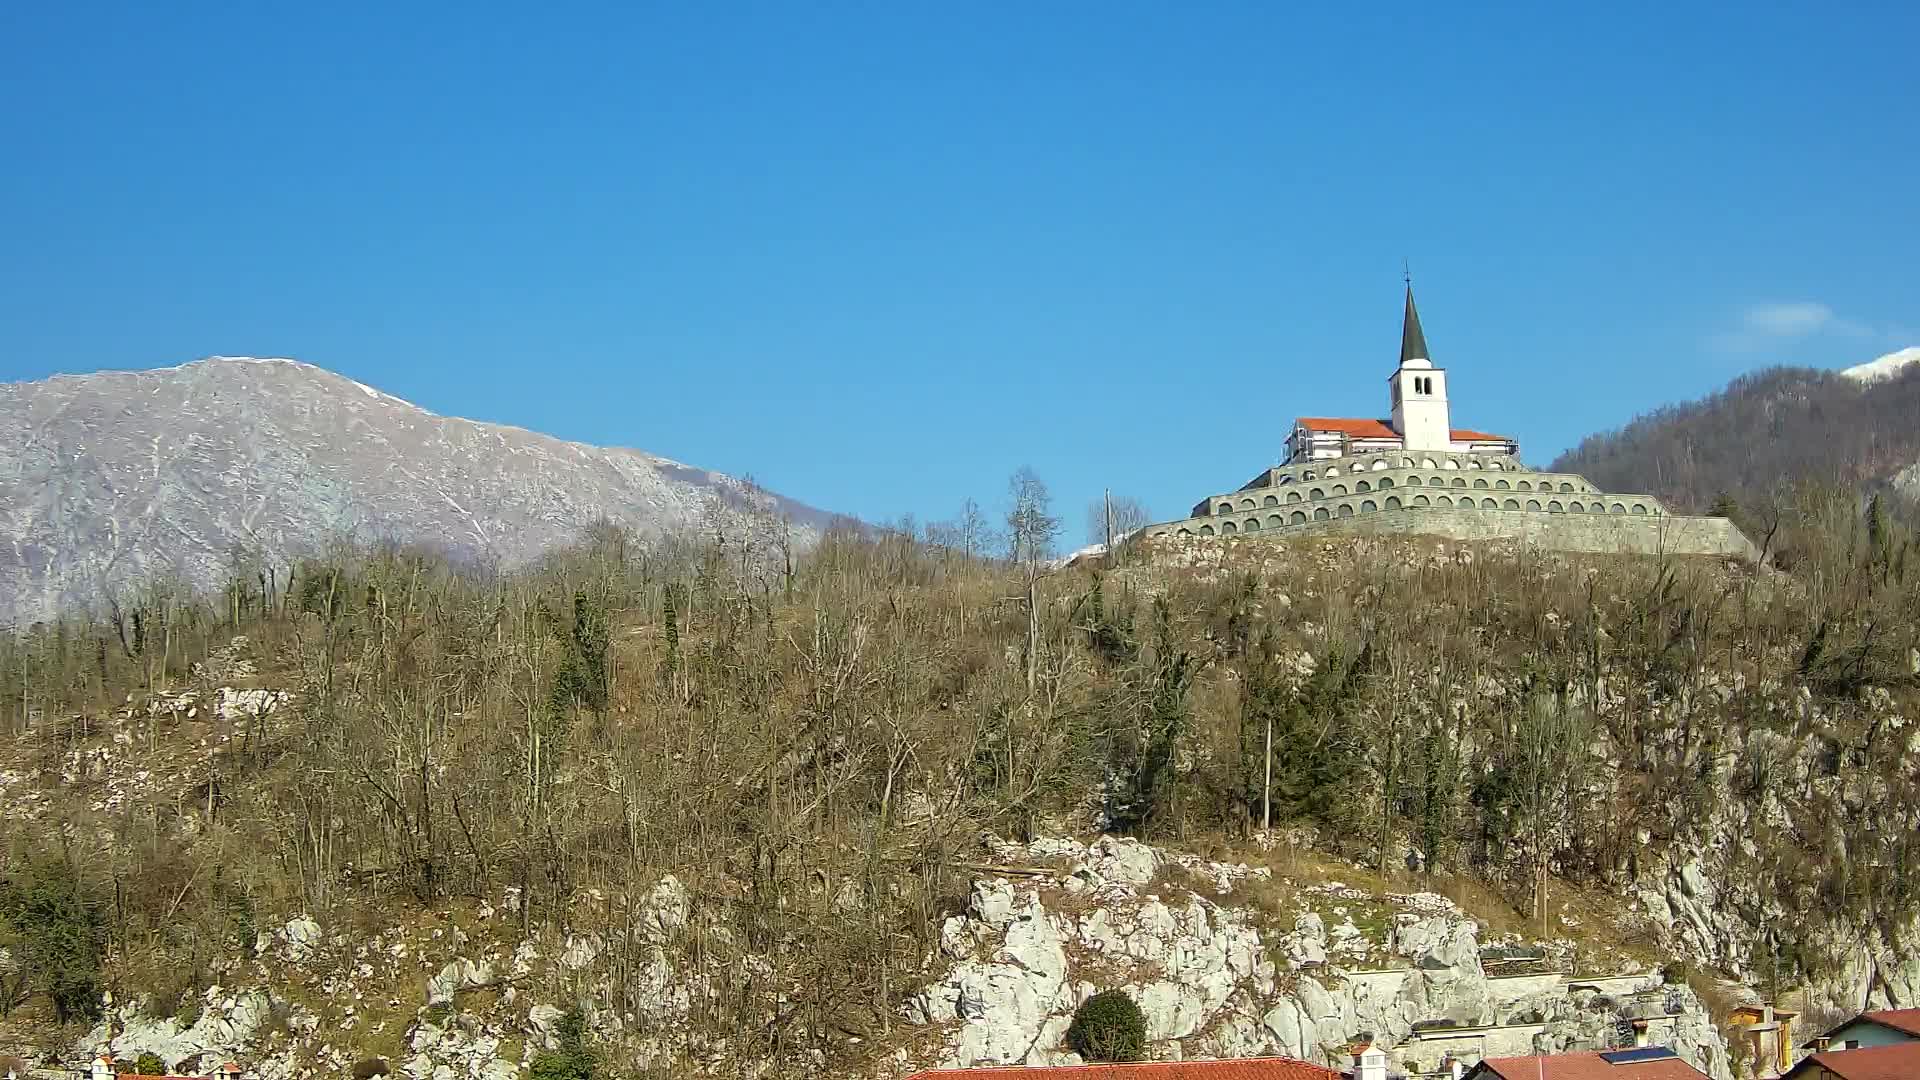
(1765, 432)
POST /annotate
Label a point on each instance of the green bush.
(53, 927)
(574, 1059)
(1109, 1027)
(149, 1064)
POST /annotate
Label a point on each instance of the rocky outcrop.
(480, 1018)
(1216, 978)
(1717, 896)
(229, 1023)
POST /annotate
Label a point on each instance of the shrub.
(368, 1068)
(149, 1064)
(1109, 1027)
(574, 1059)
(55, 931)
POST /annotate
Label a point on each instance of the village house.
(1225, 1069)
(104, 1068)
(1879, 1045)
(1883, 1027)
(1890, 1061)
(1767, 1035)
(1640, 1063)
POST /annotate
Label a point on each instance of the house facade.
(1642, 1063)
(1224, 1069)
(105, 1067)
(1887, 1061)
(1767, 1035)
(1882, 1027)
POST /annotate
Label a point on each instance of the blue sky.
(879, 255)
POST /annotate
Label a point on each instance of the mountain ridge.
(120, 477)
(1767, 428)
(1885, 367)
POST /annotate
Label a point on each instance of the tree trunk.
(1033, 628)
(1266, 787)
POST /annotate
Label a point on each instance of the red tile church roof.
(1359, 429)
(1380, 429)
(1235, 1069)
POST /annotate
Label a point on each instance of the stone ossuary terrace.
(1416, 474)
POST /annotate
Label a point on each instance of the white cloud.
(1787, 320)
(1767, 326)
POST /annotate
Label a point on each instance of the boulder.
(299, 939)
(455, 977)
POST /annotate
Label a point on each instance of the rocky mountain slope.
(1768, 431)
(227, 464)
(871, 817)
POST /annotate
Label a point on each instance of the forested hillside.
(810, 752)
(1763, 434)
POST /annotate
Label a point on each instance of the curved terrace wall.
(1461, 495)
(1605, 533)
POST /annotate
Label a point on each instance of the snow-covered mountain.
(1886, 367)
(115, 478)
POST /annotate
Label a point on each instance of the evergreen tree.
(1109, 1027)
(55, 935)
(670, 615)
(571, 1058)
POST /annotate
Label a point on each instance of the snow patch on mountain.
(1884, 368)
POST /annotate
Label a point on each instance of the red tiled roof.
(1232, 1069)
(109, 1059)
(1358, 428)
(1903, 1020)
(1900, 1061)
(1585, 1066)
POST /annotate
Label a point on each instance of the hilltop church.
(1414, 473)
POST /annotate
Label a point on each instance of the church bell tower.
(1419, 390)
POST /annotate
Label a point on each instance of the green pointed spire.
(1413, 343)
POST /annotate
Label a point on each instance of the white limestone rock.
(457, 976)
(1123, 860)
(665, 909)
(299, 939)
(542, 1018)
(1307, 945)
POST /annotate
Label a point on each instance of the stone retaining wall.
(1665, 534)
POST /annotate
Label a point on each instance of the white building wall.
(1420, 411)
(1867, 1033)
